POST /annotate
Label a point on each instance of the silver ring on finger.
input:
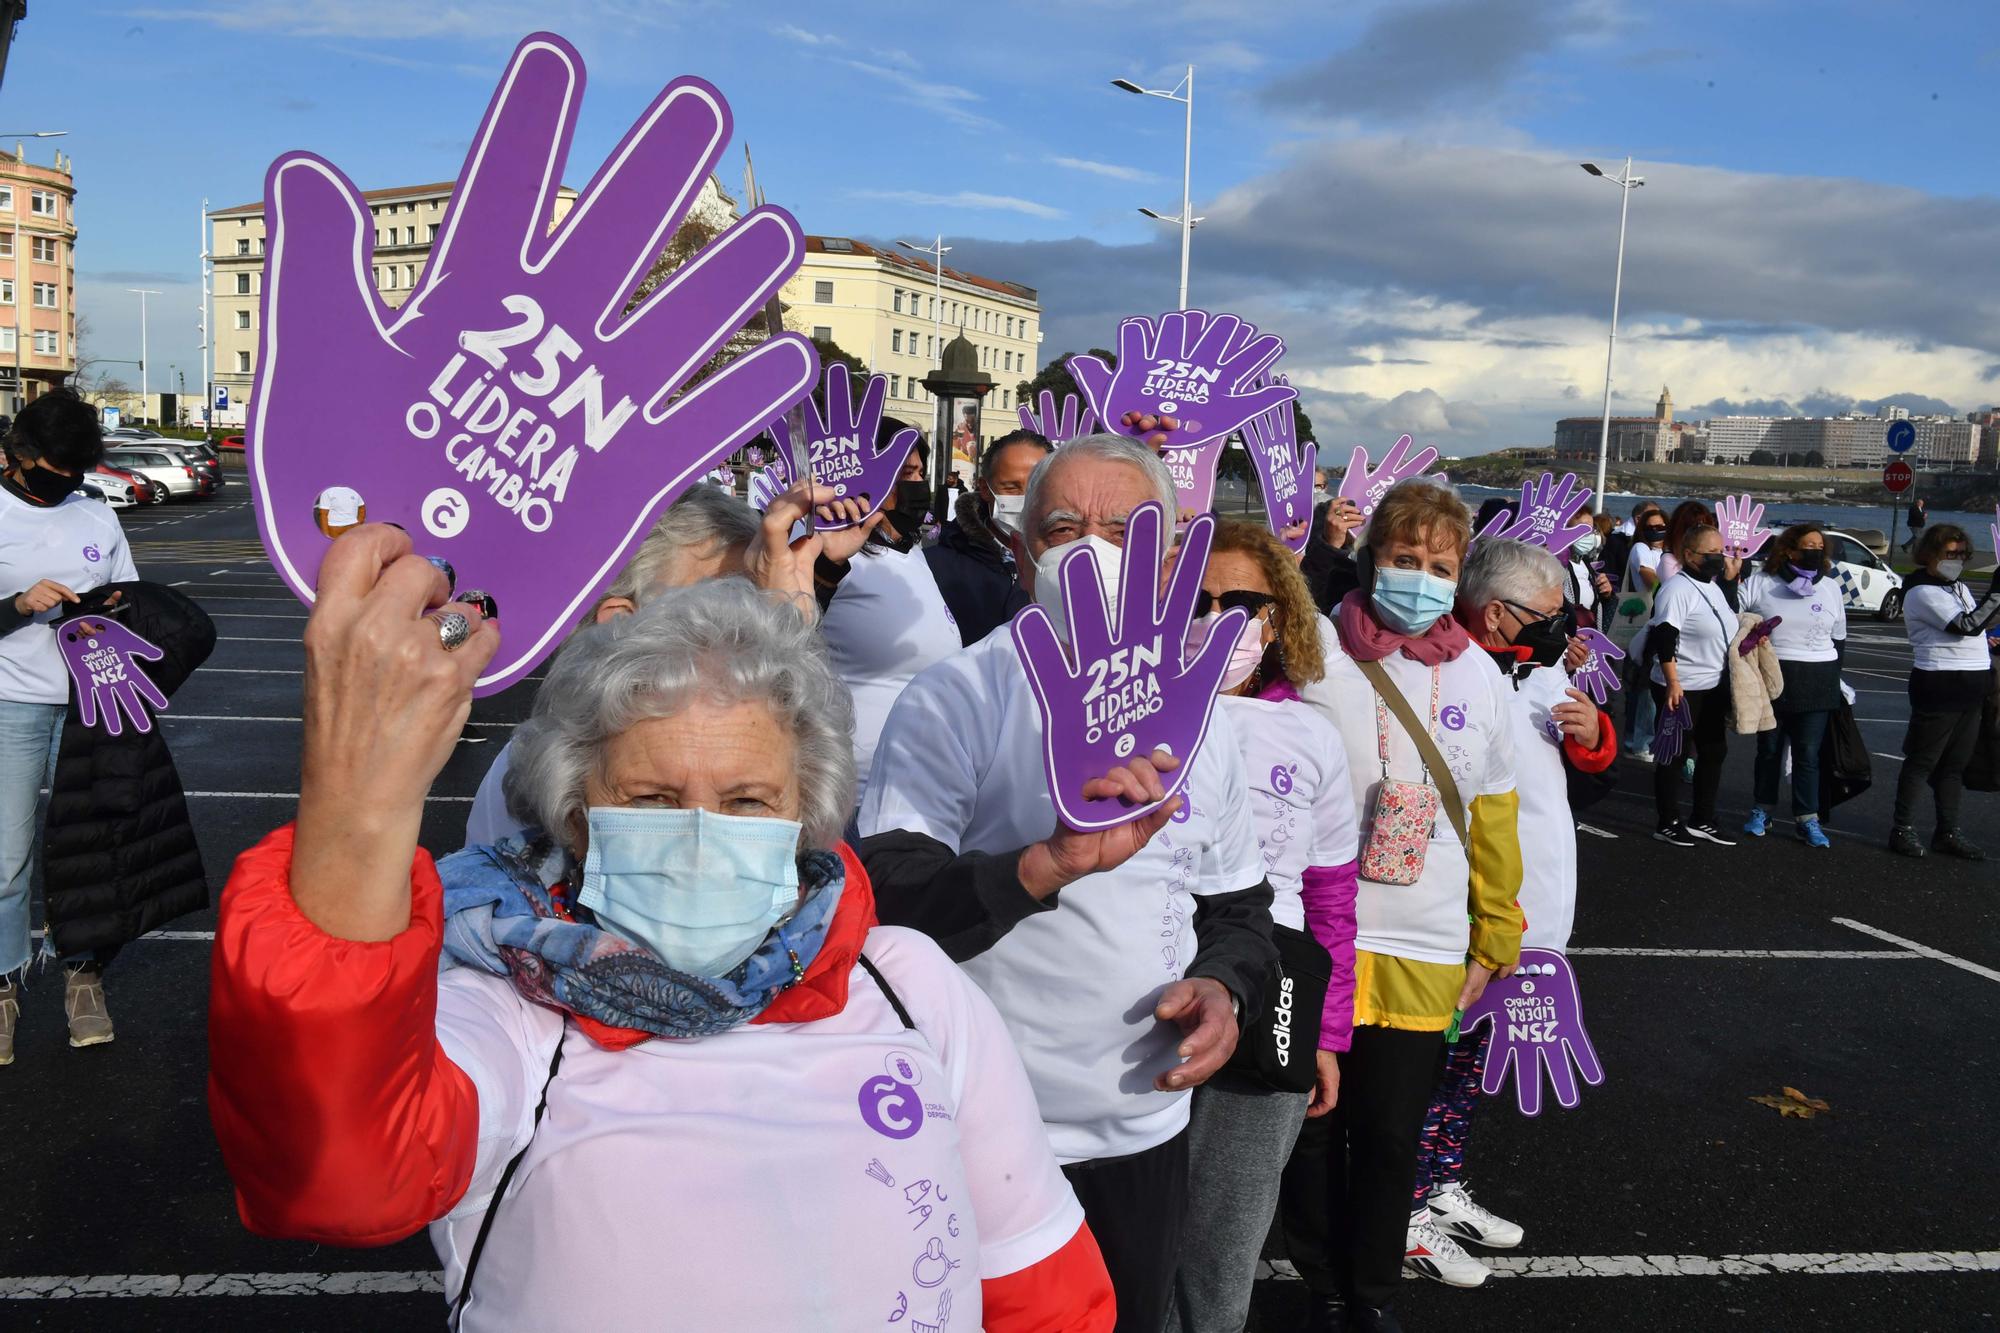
(453, 630)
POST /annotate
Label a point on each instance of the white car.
(1866, 580)
(114, 491)
(164, 470)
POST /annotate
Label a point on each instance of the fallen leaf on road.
(1793, 1103)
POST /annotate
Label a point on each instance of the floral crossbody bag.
(1406, 812)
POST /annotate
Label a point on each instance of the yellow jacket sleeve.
(1495, 857)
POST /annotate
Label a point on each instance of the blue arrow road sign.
(1902, 435)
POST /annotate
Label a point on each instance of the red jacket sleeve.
(340, 1118)
(1068, 1292)
(1594, 761)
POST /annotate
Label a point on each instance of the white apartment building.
(1850, 441)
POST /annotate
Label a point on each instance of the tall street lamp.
(1182, 92)
(1626, 183)
(142, 293)
(937, 251)
(20, 287)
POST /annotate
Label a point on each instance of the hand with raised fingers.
(1284, 472)
(1073, 421)
(1740, 518)
(103, 658)
(838, 448)
(1364, 486)
(523, 418)
(1537, 1022)
(1547, 516)
(1597, 675)
(1185, 381)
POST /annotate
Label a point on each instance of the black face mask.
(912, 499)
(1708, 569)
(1650, 535)
(1545, 640)
(46, 487)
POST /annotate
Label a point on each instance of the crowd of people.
(769, 989)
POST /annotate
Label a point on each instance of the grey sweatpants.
(1240, 1135)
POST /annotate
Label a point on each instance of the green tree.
(1302, 425)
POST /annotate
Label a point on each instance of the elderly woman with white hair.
(670, 1074)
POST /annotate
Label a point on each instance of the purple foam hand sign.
(1183, 382)
(1597, 677)
(1074, 421)
(1284, 471)
(1124, 686)
(1366, 486)
(1546, 515)
(516, 419)
(782, 473)
(102, 657)
(1739, 516)
(1757, 634)
(1670, 732)
(837, 446)
(1537, 1025)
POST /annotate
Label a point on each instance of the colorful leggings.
(1441, 1148)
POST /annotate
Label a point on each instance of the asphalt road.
(1666, 1201)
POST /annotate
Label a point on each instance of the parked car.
(1866, 580)
(170, 471)
(206, 463)
(143, 491)
(111, 489)
(232, 444)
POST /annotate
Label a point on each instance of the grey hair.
(1102, 447)
(704, 518)
(1507, 571)
(721, 639)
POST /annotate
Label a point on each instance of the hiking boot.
(83, 1002)
(1948, 841)
(10, 1014)
(1903, 841)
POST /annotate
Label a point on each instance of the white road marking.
(1867, 955)
(1892, 758)
(1924, 949)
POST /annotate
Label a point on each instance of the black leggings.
(1936, 747)
(1707, 737)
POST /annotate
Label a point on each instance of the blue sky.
(1391, 186)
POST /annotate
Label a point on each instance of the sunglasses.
(1252, 602)
(1565, 615)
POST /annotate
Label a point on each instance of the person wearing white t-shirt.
(1810, 638)
(1241, 1128)
(1641, 585)
(1688, 643)
(55, 543)
(1947, 626)
(671, 1072)
(1438, 920)
(1119, 960)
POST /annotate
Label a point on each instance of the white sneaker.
(1434, 1255)
(1459, 1217)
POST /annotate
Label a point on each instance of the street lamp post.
(20, 289)
(142, 293)
(1626, 183)
(1182, 92)
(937, 251)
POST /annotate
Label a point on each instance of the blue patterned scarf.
(500, 919)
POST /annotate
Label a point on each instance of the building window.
(822, 293)
(243, 363)
(376, 273)
(243, 246)
(895, 340)
(899, 300)
(6, 245)
(930, 345)
(409, 275)
(243, 319)
(7, 340)
(42, 203)
(822, 334)
(46, 342)
(45, 295)
(391, 210)
(895, 386)
(434, 233)
(409, 236)
(7, 198)
(243, 284)
(45, 249)
(6, 291)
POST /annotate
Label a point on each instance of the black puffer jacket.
(119, 855)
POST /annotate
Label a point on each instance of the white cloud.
(487, 22)
(1108, 170)
(942, 99)
(1004, 203)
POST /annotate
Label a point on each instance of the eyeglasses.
(1564, 615)
(1253, 602)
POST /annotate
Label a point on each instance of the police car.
(1866, 580)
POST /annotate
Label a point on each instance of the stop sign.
(1897, 476)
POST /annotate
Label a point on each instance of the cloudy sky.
(1392, 186)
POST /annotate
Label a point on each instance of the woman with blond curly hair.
(1246, 1118)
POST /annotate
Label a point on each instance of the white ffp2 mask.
(1048, 583)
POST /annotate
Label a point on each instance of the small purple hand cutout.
(1670, 733)
(1366, 488)
(1756, 634)
(1191, 369)
(1597, 677)
(1283, 471)
(780, 471)
(102, 656)
(1115, 693)
(1546, 515)
(523, 419)
(1738, 517)
(1074, 421)
(1537, 1025)
(839, 444)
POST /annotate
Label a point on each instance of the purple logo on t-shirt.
(891, 1108)
(92, 554)
(1453, 717)
(1281, 779)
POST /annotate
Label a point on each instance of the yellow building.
(37, 277)
(882, 306)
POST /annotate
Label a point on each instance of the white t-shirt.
(1300, 797)
(1641, 557)
(887, 621)
(823, 1175)
(1548, 827)
(489, 823)
(961, 761)
(77, 543)
(1808, 626)
(1927, 608)
(1424, 921)
(1701, 613)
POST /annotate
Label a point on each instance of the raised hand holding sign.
(103, 656)
(1597, 677)
(1537, 1025)
(1366, 487)
(1546, 515)
(1284, 472)
(1124, 690)
(1739, 517)
(1074, 421)
(514, 417)
(838, 447)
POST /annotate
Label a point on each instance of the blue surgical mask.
(700, 890)
(1410, 601)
